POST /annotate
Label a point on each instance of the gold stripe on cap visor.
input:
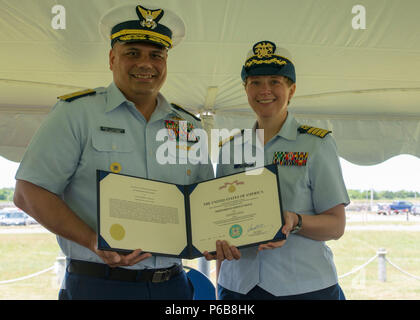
(136, 34)
(250, 63)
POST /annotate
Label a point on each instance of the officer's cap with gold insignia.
(265, 59)
(142, 23)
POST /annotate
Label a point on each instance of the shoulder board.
(177, 107)
(321, 133)
(221, 143)
(76, 95)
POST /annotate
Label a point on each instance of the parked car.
(400, 206)
(15, 217)
(415, 209)
(383, 208)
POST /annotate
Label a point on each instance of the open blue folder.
(183, 221)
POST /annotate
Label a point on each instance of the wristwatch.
(299, 224)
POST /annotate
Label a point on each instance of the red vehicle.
(383, 209)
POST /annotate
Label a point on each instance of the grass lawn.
(356, 247)
(24, 254)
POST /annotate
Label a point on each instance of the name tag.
(244, 165)
(112, 130)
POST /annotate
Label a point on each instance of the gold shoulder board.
(177, 107)
(221, 143)
(321, 133)
(76, 95)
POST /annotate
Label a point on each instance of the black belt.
(100, 270)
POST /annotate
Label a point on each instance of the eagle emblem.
(149, 18)
(264, 49)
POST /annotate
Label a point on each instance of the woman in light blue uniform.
(312, 189)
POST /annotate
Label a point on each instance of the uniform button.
(188, 172)
(114, 147)
(115, 167)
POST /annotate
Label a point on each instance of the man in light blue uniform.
(312, 191)
(112, 129)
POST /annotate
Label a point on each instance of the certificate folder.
(183, 221)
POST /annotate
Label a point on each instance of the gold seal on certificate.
(241, 208)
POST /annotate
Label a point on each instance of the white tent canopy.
(363, 84)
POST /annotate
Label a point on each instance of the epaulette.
(76, 95)
(321, 133)
(177, 107)
(221, 143)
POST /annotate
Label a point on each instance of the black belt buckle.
(161, 276)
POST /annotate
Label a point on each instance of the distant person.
(112, 129)
(312, 191)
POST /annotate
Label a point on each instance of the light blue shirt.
(69, 147)
(301, 265)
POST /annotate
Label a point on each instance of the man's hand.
(54, 214)
(115, 259)
(223, 251)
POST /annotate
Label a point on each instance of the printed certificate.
(185, 220)
(243, 209)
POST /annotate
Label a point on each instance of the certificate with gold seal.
(186, 220)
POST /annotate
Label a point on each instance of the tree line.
(388, 195)
(6, 194)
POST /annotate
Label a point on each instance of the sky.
(398, 173)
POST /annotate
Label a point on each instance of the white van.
(14, 217)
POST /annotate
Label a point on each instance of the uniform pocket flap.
(111, 142)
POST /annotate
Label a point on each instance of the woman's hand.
(291, 220)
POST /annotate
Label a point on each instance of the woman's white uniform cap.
(142, 23)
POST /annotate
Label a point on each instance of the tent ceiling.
(362, 84)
